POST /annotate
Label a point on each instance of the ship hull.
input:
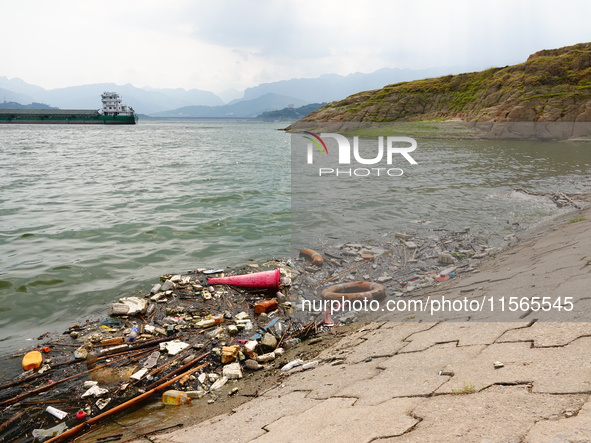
(77, 118)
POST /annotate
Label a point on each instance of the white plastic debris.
(173, 347)
(95, 391)
(310, 365)
(292, 364)
(232, 371)
(51, 432)
(56, 412)
(266, 357)
(101, 403)
(129, 306)
(219, 384)
(139, 374)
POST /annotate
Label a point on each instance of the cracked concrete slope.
(411, 374)
(558, 370)
(499, 414)
(245, 424)
(571, 426)
(437, 381)
(339, 419)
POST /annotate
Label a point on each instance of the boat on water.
(113, 112)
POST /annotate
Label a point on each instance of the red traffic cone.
(265, 280)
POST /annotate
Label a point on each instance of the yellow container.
(32, 360)
(174, 397)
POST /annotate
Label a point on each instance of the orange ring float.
(312, 255)
(357, 290)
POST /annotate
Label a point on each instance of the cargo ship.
(112, 113)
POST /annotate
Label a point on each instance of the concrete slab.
(570, 426)
(327, 379)
(343, 347)
(410, 374)
(499, 414)
(544, 334)
(245, 424)
(339, 419)
(464, 333)
(552, 370)
(386, 341)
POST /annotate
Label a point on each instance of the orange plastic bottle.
(173, 397)
(266, 306)
(32, 360)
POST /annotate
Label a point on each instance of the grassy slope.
(552, 85)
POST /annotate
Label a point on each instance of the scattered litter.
(60, 415)
(51, 432)
(174, 397)
(232, 371)
(310, 365)
(32, 360)
(173, 347)
(219, 384)
(292, 364)
(95, 391)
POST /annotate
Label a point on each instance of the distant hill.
(551, 86)
(144, 100)
(15, 105)
(290, 113)
(241, 109)
(331, 87)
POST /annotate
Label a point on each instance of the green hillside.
(551, 86)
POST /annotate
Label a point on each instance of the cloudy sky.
(223, 44)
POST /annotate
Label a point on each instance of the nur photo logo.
(381, 157)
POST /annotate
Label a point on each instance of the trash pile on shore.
(192, 334)
(398, 267)
(182, 339)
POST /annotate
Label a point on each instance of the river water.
(90, 213)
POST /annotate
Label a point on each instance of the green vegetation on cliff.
(290, 113)
(551, 86)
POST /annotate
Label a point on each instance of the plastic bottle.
(133, 333)
(32, 360)
(266, 306)
(173, 397)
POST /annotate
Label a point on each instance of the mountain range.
(199, 103)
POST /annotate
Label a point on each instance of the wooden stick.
(12, 419)
(70, 433)
(182, 368)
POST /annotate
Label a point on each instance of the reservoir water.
(90, 213)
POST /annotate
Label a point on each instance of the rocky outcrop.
(551, 86)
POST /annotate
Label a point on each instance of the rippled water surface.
(455, 184)
(89, 213)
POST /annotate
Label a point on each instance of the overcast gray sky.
(220, 44)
